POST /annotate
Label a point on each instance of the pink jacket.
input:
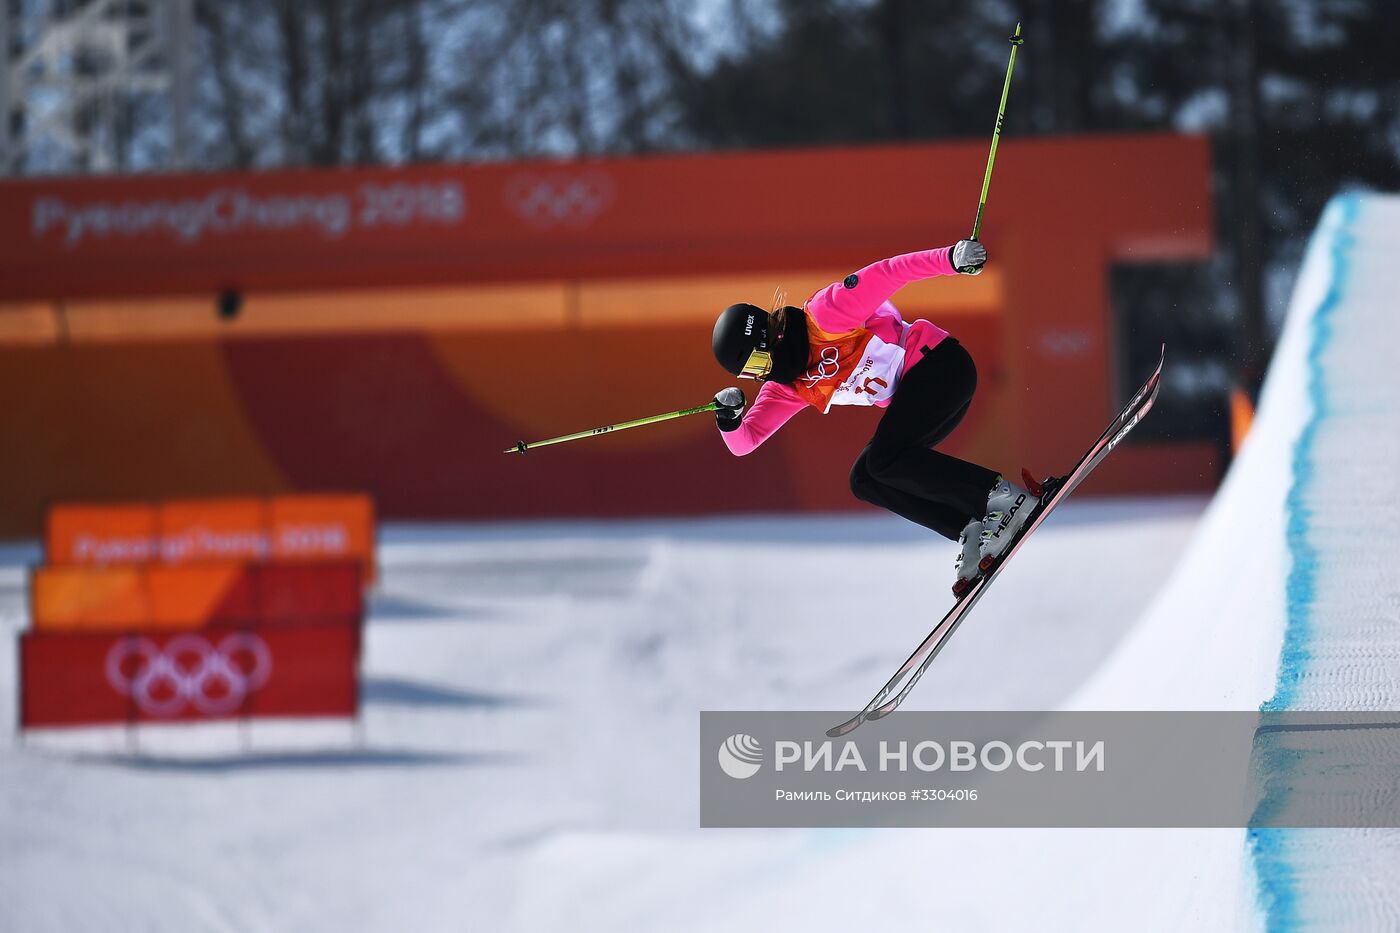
(861, 300)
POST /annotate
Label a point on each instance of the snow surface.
(528, 756)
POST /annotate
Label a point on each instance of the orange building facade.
(395, 329)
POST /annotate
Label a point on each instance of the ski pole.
(520, 446)
(1015, 41)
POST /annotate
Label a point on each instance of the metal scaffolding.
(73, 71)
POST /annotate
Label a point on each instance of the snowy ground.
(529, 735)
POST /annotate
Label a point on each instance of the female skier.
(849, 346)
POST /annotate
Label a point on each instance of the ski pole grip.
(971, 270)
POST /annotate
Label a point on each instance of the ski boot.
(969, 553)
(1009, 508)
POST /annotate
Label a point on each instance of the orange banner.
(291, 528)
(519, 221)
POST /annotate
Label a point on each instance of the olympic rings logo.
(189, 671)
(560, 198)
(827, 366)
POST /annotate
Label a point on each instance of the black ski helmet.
(782, 335)
(740, 330)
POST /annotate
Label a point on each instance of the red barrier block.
(320, 593)
(70, 679)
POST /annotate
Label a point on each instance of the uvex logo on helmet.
(748, 326)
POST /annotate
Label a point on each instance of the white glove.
(729, 408)
(969, 256)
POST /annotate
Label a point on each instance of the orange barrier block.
(213, 529)
(106, 533)
(198, 596)
(286, 529)
(317, 527)
(83, 598)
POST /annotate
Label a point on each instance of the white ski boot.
(969, 553)
(1009, 507)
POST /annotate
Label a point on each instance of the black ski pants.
(898, 470)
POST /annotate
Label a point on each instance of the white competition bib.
(874, 377)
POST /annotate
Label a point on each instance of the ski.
(1056, 490)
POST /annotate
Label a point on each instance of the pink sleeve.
(848, 304)
(774, 405)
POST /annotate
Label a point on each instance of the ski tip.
(835, 732)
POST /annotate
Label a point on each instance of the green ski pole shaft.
(1016, 41)
(520, 446)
